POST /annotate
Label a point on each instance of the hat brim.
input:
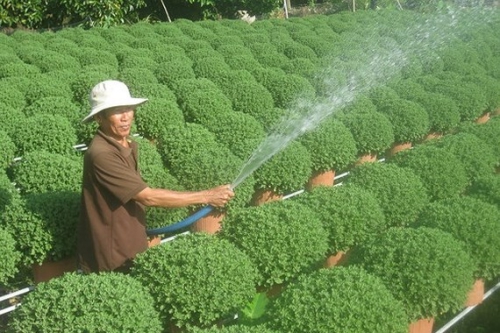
(129, 102)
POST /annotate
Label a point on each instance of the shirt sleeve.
(113, 172)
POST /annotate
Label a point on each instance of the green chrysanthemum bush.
(487, 189)
(93, 56)
(196, 279)
(43, 85)
(44, 225)
(297, 88)
(41, 171)
(55, 105)
(331, 146)
(209, 67)
(12, 96)
(136, 75)
(8, 191)
(340, 300)
(471, 100)
(475, 223)
(426, 269)
(285, 172)
(399, 191)
(201, 99)
(283, 239)
(410, 121)
(52, 133)
(476, 155)
(349, 213)
(488, 132)
(18, 68)
(106, 302)
(152, 117)
(371, 130)
(240, 132)
(442, 110)
(10, 257)
(8, 149)
(441, 172)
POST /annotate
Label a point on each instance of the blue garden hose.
(181, 224)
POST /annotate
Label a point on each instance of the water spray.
(378, 66)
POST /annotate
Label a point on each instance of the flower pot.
(476, 294)
(52, 269)
(397, 147)
(210, 224)
(432, 136)
(483, 118)
(336, 259)
(154, 240)
(321, 178)
(262, 196)
(366, 159)
(423, 325)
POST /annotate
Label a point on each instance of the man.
(112, 228)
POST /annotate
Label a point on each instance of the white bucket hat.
(110, 94)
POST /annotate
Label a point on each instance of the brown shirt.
(112, 225)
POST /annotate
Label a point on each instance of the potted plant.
(469, 97)
(106, 302)
(476, 155)
(489, 133)
(52, 132)
(441, 172)
(238, 131)
(42, 171)
(475, 223)
(399, 191)
(487, 189)
(340, 300)
(371, 130)
(196, 280)
(8, 191)
(152, 116)
(350, 215)
(282, 239)
(10, 257)
(277, 177)
(410, 122)
(8, 149)
(44, 225)
(426, 269)
(332, 148)
(442, 110)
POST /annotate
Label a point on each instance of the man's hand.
(219, 196)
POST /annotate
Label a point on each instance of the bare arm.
(216, 197)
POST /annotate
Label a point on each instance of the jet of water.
(379, 66)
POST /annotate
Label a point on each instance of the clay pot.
(52, 269)
(336, 259)
(483, 119)
(476, 294)
(263, 196)
(368, 158)
(432, 136)
(210, 224)
(421, 326)
(397, 147)
(321, 178)
(154, 240)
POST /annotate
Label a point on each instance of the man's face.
(116, 122)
